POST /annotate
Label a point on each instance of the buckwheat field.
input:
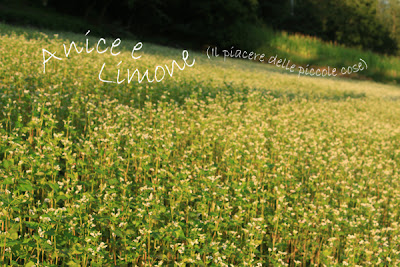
(224, 164)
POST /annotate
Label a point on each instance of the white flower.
(40, 232)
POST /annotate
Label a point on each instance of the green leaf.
(54, 186)
(30, 264)
(8, 180)
(7, 163)
(14, 232)
(25, 186)
(32, 225)
(14, 236)
(61, 197)
(72, 263)
(14, 242)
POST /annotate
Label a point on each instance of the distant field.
(304, 50)
(224, 164)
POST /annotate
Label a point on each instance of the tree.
(389, 12)
(351, 22)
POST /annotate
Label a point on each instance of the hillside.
(223, 163)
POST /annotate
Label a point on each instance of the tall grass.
(306, 50)
(224, 164)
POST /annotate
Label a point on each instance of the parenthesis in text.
(366, 66)
(207, 52)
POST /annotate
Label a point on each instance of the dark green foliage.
(367, 24)
(353, 23)
(206, 22)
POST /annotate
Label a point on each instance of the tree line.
(367, 24)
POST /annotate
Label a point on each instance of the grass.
(306, 50)
(224, 164)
